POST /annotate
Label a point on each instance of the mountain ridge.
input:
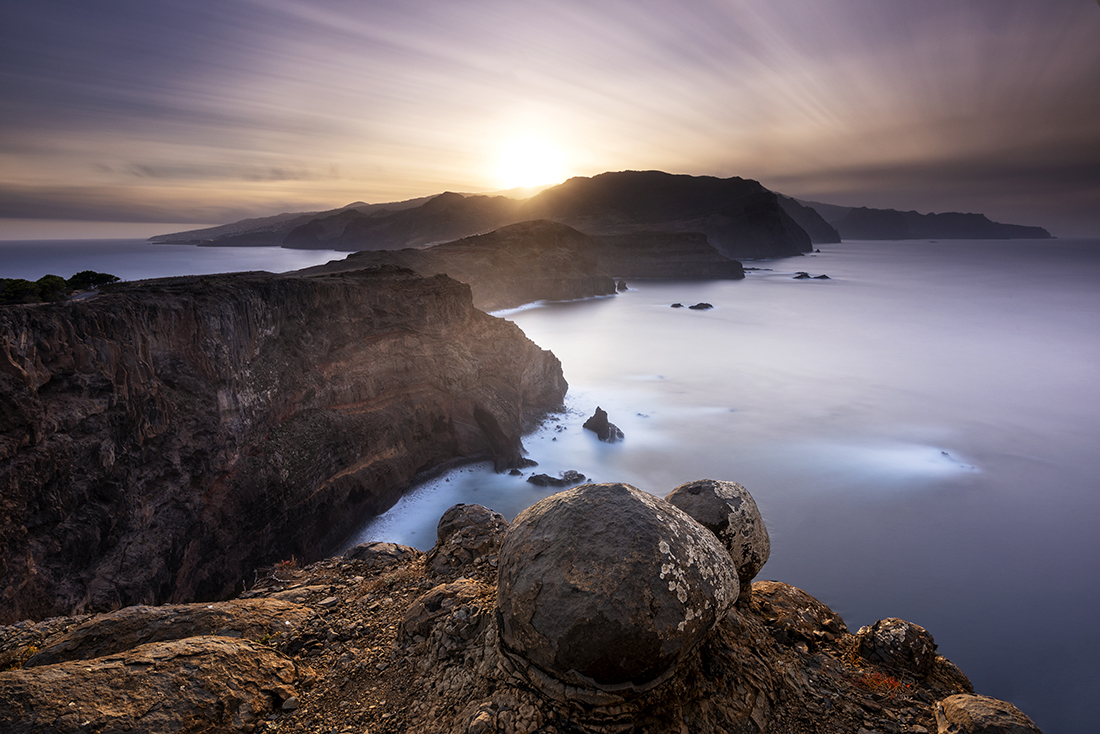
(740, 217)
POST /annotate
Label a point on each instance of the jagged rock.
(729, 511)
(898, 644)
(704, 306)
(197, 684)
(620, 285)
(160, 441)
(379, 553)
(677, 305)
(465, 534)
(794, 615)
(802, 275)
(569, 478)
(822, 277)
(129, 627)
(599, 425)
(969, 714)
(605, 588)
(437, 603)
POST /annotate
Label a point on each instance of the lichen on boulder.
(606, 589)
(729, 511)
(897, 644)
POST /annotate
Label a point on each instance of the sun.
(529, 161)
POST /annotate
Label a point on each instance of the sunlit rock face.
(607, 588)
(159, 441)
(729, 511)
(511, 266)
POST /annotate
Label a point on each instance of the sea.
(138, 259)
(921, 432)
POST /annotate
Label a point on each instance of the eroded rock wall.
(160, 441)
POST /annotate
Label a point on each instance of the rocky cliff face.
(678, 255)
(739, 217)
(511, 266)
(160, 441)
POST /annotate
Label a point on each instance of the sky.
(118, 117)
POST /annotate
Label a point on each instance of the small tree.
(52, 288)
(88, 279)
(18, 290)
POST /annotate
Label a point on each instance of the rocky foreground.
(160, 441)
(599, 609)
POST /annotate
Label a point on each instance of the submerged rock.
(570, 478)
(704, 306)
(729, 511)
(605, 430)
(605, 588)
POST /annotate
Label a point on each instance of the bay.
(919, 432)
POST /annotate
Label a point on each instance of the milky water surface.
(920, 432)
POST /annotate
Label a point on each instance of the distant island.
(739, 217)
(863, 223)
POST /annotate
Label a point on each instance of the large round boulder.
(729, 511)
(606, 588)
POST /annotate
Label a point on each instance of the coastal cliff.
(505, 268)
(161, 440)
(544, 260)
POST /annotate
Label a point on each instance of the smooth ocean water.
(137, 259)
(920, 431)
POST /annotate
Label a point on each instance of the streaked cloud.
(252, 106)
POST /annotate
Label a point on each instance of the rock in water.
(605, 589)
(599, 425)
(729, 511)
(570, 478)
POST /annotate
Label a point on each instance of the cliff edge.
(160, 441)
(480, 635)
